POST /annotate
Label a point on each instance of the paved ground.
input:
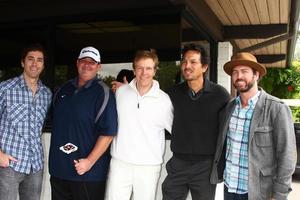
(295, 194)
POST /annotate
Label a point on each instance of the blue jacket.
(271, 149)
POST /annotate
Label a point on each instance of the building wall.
(225, 53)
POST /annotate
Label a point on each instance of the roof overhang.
(265, 28)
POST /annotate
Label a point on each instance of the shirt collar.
(251, 102)
(23, 84)
(87, 85)
(207, 86)
(153, 92)
(22, 81)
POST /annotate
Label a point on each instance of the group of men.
(247, 141)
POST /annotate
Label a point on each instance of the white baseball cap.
(90, 52)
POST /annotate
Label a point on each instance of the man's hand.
(115, 84)
(82, 165)
(5, 159)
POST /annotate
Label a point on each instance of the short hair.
(143, 54)
(33, 47)
(125, 73)
(198, 48)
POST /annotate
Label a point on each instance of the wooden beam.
(293, 28)
(271, 58)
(235, 47)
(191, 35)
(266, 43)
(213, 65)
(202, 18)
(254, 31)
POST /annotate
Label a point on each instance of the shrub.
(284, 84)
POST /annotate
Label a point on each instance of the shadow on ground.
(296, 178)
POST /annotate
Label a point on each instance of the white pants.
(125, 179)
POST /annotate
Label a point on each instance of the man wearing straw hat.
(256, 149)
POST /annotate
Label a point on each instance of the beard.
(246, 87)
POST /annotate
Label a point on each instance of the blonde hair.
(143, 54)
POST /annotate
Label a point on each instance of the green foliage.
(108, 80)
(166, 74)
(296, 113)
(283, 83)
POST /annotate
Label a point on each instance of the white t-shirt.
(141, 123)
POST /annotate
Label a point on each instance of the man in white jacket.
(144, 112)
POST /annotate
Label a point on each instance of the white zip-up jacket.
(142, 121)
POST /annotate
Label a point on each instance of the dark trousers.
(188, 175)
(74, 190)
(234, 196)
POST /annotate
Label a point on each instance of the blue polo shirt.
(74, 114)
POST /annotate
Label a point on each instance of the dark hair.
(143, 54)
(127, 73)
(198, 48)
(33, 47)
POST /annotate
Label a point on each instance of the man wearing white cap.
(84, 123)
(256, 149)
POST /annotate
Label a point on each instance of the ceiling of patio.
(266, 20)
(264, 27)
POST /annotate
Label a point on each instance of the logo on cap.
(90, 52)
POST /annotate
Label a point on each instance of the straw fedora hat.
(246, 59)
